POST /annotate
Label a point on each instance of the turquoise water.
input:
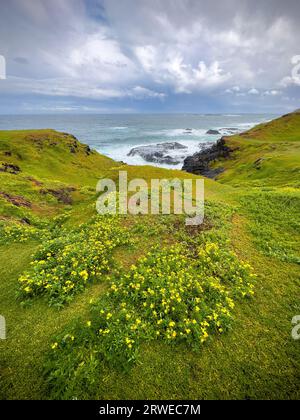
(115, 135)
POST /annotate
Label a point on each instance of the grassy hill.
(55, 311)
(266, 155)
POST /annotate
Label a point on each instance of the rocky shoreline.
(199, 163)
(160, 153)
(172, 153)
(176, 154)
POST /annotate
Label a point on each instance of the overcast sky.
(150, 56)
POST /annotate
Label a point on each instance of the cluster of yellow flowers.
(234, 274)
(173, 295)
(38, 229)
(64, 265)
(17, 232)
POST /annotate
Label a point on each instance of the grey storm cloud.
(235, 51)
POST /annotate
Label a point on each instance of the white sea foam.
(178, 132)
(246, 125)
(120, 153)
(231, 115)
(188, 136)
(119, 128)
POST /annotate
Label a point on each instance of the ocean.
(115, 135)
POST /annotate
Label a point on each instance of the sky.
(131, 56)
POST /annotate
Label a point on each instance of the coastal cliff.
(267, 154)
(200, 162)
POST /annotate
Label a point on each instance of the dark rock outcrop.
(25, 221)
(223, 131)
(88, 150)
(159, 153)
(229, 130)
(199, 163)
(257, 164)
(213, 132)
(62, 194)
(10, 168)
(73, 147)
(16, 200)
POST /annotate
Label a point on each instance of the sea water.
(115, 135)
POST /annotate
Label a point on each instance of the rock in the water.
(229, 130)
(159, 153)
(199, 163)
(213, 132)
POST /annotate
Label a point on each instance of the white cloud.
(272, 92)
(168, 66)
(140, 92)
(233, 90)
(253, 91)
(101, 59)
(294, 79)
(65, 87)
(151, 50)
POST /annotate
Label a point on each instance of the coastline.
(116, 135)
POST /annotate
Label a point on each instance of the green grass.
(274, 222)
(46, 154)
(254, 212)
(267, 155)
(225, 368)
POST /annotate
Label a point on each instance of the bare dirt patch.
(16, 200)
(62, 194)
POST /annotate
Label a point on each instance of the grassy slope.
(46, 162)
(267, 155)
(256, 359)
(45, 154)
